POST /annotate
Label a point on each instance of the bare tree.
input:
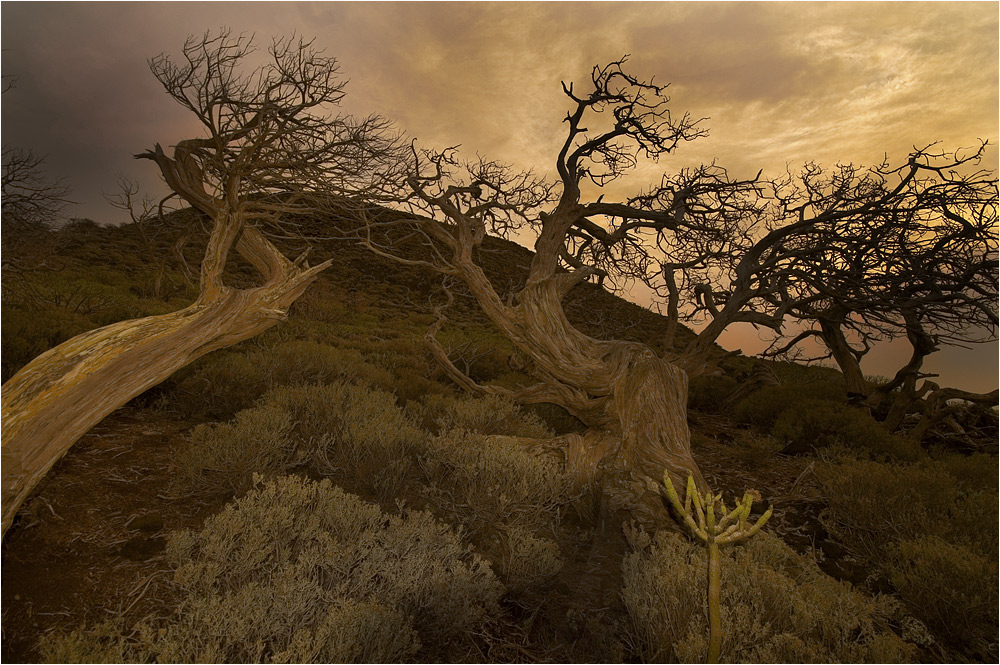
(31, 204)
(632, 400)
(718, 249)
(269, 147)
(29, 198)
(921, 263)
(156, 230)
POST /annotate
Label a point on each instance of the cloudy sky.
(782, 83)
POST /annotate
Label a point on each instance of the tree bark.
(633, 402)
(854, 379)
(61, 394)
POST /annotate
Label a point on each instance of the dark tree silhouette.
(920, 263)
(718, 249)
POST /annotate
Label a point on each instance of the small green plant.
(731, 529)
(787, 609)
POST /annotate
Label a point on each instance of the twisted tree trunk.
(633, 402)
(61, 394)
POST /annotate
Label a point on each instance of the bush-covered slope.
(323, 493)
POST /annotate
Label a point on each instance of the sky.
(780, 83)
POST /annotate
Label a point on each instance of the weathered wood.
(61, 394)
(633, 402)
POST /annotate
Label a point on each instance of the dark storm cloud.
(783, 83)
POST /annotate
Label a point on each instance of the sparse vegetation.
(322, 397)
(930, 534)
(818, 424)
(325, 491)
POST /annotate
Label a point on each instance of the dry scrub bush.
(229, 381)
(709, 393)
(352, 430)
(102, 643)
(755, 448)
(763, 407)
(29, 332)
(952, 589)
(489, 415)
(483, 353)
(528, 563)
(815, 424)
(222, 458)
(871, 505)
(299, 571)
(335, 429)
(777, 607)
(934, 536)
(504, 497)
(486, 482)
(974, 472)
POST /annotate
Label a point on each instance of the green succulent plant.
(732, 528)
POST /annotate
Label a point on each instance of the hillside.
(208, 520)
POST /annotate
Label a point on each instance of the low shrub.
(299, 571)
(489, 415)
(763, 407)
(528, 563)
(353, 431)
(815, 424)
(481, 353)
(221, 458)
(754, 448)
(930, 534)
(952, 590)
(229, 381)
(973, 472)
(870, 504)
(489, 482)
(104, 642)
(777, 606)
(408, 384)
(29, 332)
(709, 393)
(337, 429)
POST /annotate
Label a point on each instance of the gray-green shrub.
(340, 428)
(492, 414)
(755, 448)
(932, 535)
(952, 589)
(229, 381)
(777, 607)
(871, 504)
(528, 563)
(486, 482)
(709, 393)
(763, 407)
(299, 571)
(221, 458)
